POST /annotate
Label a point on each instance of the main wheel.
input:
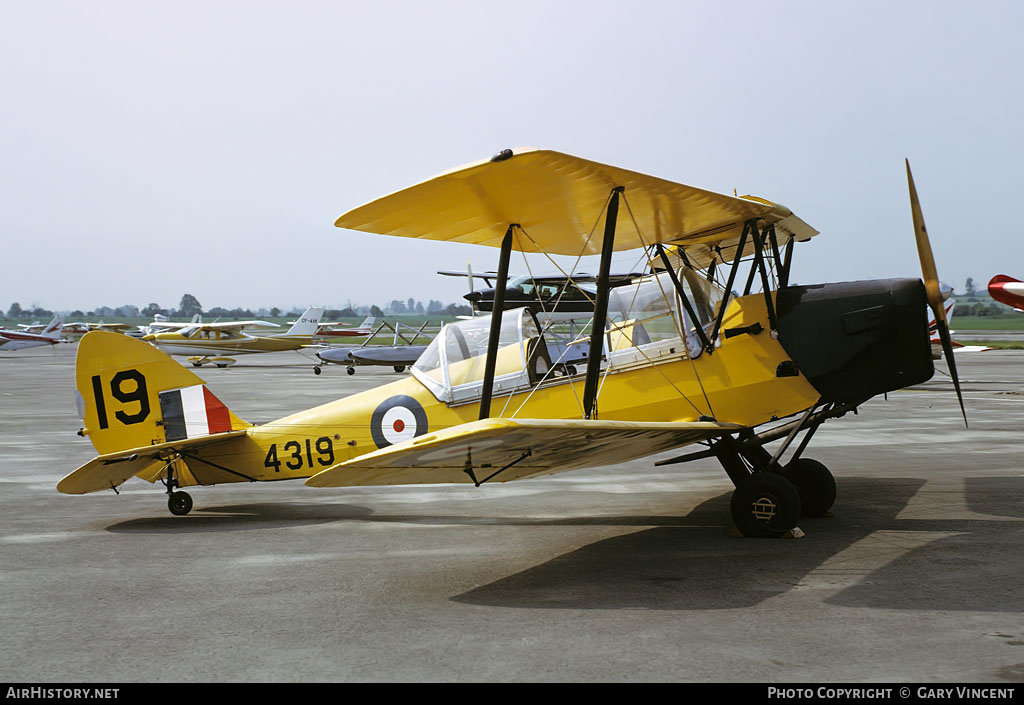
(351, 370)
(316, 370)
(815, 484)
(765, 505)
(180, 503)
(399, 368)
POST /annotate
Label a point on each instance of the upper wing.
(108, 471)
(517, 447)
(557, 199)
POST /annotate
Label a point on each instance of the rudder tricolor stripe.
(193, 411)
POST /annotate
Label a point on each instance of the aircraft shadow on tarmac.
(244, 517)
(694, 563)
(698, 566)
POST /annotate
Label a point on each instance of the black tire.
(197, 364)
(399, 368)
(316, 370)
(815, 484)
(351, 370)
(765, 505)
(570, 370)
(180, 503)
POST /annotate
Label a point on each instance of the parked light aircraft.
(215, 342)
(397, 355)
(19, 339)
(327, 330)
(161, 324)
(1007, 290)
(481, 403)
(958, 347)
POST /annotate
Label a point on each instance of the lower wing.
(511, 449)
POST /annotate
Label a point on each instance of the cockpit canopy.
(452, 366)
(646, 323)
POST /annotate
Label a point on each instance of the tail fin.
(368, 322)
(53, 331)
(131, 395)
(1003, 278)
(308, 323)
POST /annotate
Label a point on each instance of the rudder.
(131, 395)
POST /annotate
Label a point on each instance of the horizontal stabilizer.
(109, 471)
(517, 448)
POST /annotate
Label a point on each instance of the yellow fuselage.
(737, 383)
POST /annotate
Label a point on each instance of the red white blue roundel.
(397, 419)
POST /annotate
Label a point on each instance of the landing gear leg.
(179, 503)
(764, 503)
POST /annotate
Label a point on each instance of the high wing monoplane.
(560, 296)
(486, 401)
(20, 339)
(217, 342)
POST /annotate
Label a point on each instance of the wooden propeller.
(932, 288)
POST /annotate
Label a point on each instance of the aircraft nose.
(855, 340)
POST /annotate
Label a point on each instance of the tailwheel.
(815, 484)
(765, 505)
(180, 503)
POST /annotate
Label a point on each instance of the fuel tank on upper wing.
(854, 340)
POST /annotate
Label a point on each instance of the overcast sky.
(150, 149)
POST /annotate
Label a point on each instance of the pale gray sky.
(151, 149)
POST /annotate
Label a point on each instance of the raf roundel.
(397, 419)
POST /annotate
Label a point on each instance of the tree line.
(190, 306)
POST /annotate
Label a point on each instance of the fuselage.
(738, 383)
(177, 344)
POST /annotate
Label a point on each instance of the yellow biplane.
(687, 359)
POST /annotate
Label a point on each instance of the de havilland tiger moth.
(693, 360)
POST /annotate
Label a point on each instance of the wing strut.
(762, 265)
(495, 333)
(601, 305)
(686, 301)
(472, 476)
(747, 227)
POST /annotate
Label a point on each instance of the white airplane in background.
(161, 324)
(19, 339)
(936, 340)
(213, 342)
(364, 328)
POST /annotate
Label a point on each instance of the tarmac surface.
(624, 573)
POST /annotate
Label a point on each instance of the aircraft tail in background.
(308, 323)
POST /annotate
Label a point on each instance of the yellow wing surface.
(109, 471)
(518, 448)
(557, 199)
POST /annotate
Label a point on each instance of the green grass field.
(1004, 321)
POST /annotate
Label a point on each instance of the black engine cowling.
(854, 340)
